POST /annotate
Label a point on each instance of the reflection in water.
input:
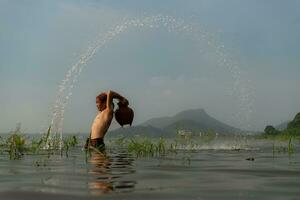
(109, 172)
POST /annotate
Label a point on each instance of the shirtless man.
(104, 103)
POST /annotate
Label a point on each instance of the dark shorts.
(97, 143)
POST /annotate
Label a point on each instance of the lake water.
(198, 174)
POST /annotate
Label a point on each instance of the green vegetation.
(208, 136)
(16, 145)
(289, 148)
(146, 147)
(291, 132)
(295, 124)
(142, 146)
(288, 135)
(68, 143)
(154, 147)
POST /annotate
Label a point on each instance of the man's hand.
(113, 95)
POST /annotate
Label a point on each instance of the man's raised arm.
(113, 95)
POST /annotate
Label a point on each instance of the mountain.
(159, 122)
(195, 120)
(195, 115)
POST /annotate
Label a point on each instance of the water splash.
(171, 24)
(223, 143)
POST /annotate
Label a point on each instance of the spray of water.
(169, 23)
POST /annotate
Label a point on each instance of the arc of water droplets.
(172, 25)
(240, 86)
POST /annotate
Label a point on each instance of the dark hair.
(102, 97)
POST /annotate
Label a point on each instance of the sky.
(160, 72)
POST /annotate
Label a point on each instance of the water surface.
(198, 174)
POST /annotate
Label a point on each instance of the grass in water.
(68, 143)
(289, 148)
(16, 145)
(151, 147)
(146, 147)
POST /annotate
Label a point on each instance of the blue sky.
(160, 72)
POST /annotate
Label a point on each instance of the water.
(170, 24)
(200, 174)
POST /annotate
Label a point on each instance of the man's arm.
(113, 95)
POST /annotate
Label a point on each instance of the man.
(104, 103)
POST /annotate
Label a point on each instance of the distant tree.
(270, 130)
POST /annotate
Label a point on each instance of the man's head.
(101, 101)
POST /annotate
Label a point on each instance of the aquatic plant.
(208, 136)
(1, 144)
(120, 141)
(69, 142)
(284, 149)
(161, 146)
(290, 146)
(146, 147)
(16, 146)
(174, 146)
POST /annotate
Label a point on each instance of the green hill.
(295, 123)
